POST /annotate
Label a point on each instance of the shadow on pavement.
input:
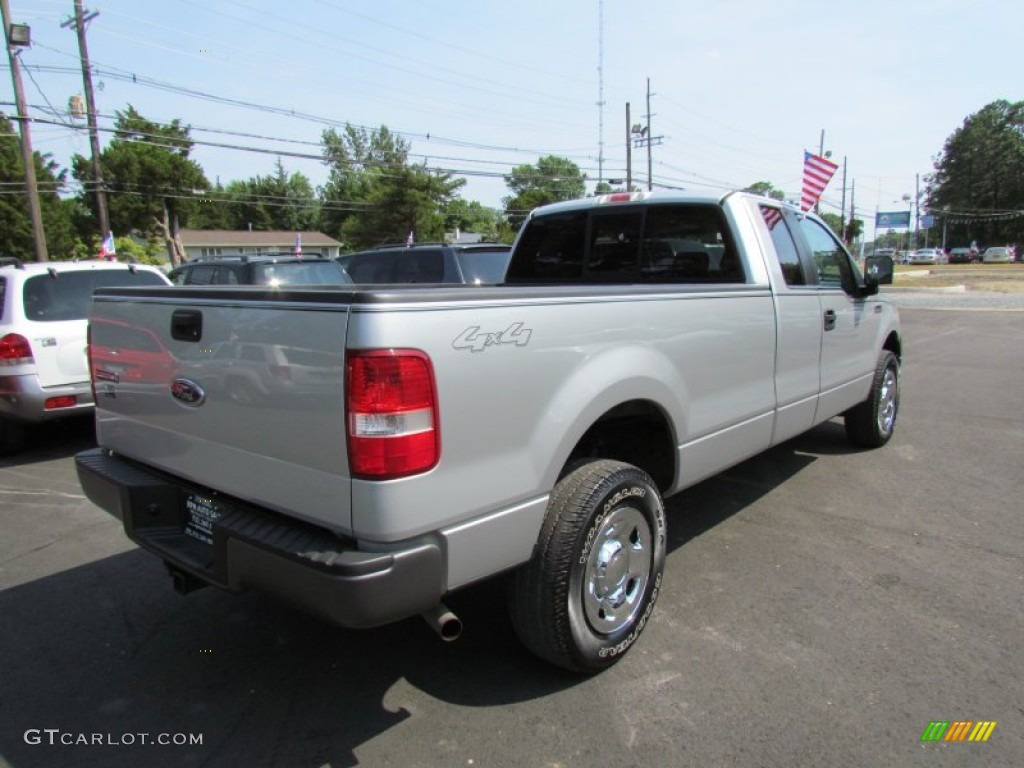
(109, 648)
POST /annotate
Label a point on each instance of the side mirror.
(878, 270)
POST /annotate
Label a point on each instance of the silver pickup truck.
(407, 442)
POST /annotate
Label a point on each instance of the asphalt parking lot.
(822, 606)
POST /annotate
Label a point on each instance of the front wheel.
(588, 591)
(871, 423)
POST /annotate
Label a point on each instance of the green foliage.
(16, 237)
(834, 221)
(150, 179)
(766, 189)
(979, 173)
(373, 193)
(475, 217)
(551, 180)
(854, 230)
(276, 202)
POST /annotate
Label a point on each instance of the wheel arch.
(636, 432)
(894, 344)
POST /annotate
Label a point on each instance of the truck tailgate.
(238, 391)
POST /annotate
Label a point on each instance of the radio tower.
(600, 91)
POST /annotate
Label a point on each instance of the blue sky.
(740, 88)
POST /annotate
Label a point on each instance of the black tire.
(580, 603)
(12, 437)
(871, 424)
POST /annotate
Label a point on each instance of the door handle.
(830, 319)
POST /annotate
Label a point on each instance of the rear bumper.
(255, 548)
(22, 399)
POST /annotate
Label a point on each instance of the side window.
(227, 275)
(200, 274)
(689, 243)
(785, 247)
(418, 267)
(830, 257)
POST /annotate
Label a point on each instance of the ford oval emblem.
(188, 393)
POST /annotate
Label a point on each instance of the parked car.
(477, 264)
(962, 255)
(270, 269)
(997, 254)
(44, 374)
(926, 256)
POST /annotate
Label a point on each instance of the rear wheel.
(871, 424)
(589, 589)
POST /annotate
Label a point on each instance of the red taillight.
(64, 401)
(15, 350)
(391, 403)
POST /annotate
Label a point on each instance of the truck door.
(850, 324)
(798, 328)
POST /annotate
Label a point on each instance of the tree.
(979, 176)
(276, 202)
(373, 193)
(474, 217)
(152, 181)
(551, 180)
(16, 237)
(854, 229)
(767, 189)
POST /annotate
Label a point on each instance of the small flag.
(107, 249)
(298, 243)
(409, 240)
(818, 172)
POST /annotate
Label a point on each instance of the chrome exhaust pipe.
(447, 625)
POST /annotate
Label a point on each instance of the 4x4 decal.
(475, 341)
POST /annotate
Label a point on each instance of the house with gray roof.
(210, 243)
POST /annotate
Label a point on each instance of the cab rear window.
(67, 295)
(671, 243)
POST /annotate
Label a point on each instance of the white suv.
(44, 308)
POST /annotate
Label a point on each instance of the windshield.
(68, 295)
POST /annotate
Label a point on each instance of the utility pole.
(821, 153)
(629, 152)
(853, 211)
(27, 155)
(81, 18)
(650, 136)
(842, 209)
(643, 135)
(917, 205)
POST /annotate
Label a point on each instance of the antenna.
(600, 91)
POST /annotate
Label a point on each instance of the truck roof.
(639, 196)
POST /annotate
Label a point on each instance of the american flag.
(818, 173)
(772, 216)
(107, 248)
